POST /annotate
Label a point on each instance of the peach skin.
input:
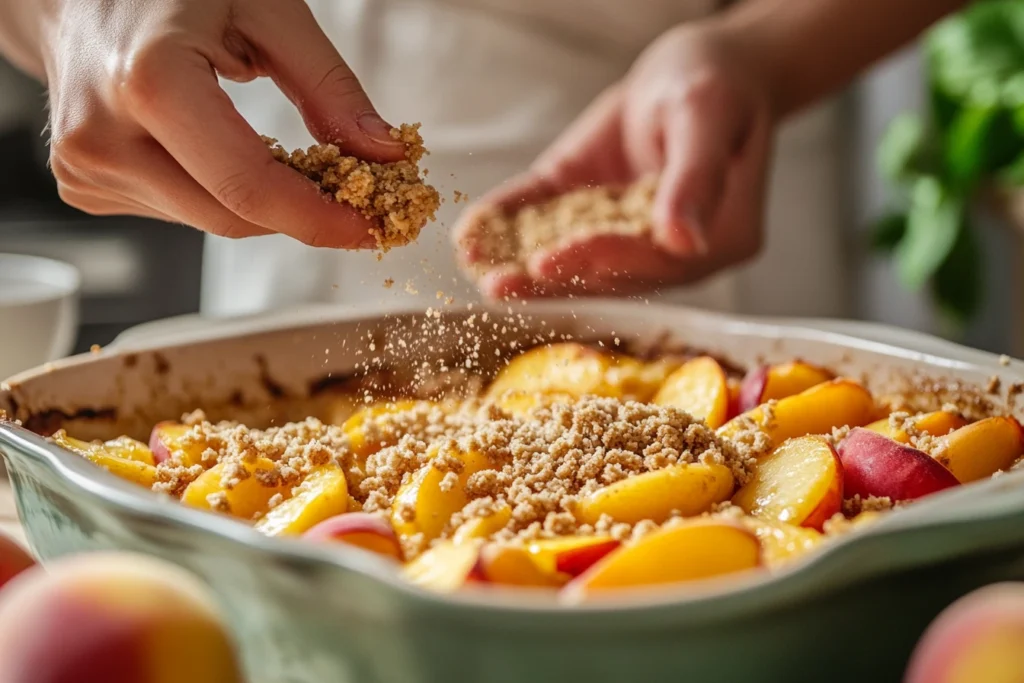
(699, 388)
(800, 483)
(571, 555)
(112, 618)
(874, 465)
(361, 529)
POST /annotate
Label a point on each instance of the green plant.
(971, 138)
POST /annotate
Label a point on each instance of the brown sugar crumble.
(504, 239)
(392, 195)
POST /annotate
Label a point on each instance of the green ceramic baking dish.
(305, 613)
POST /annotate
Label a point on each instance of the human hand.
(139, 124)
(692, 109)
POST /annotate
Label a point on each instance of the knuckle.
(241, 195)
(138, 73)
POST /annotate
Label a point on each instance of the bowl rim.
(982, 502)
(65, 278)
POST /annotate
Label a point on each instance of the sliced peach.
(170, 439)
(771, 383)
(483, 527)
(321, 495)
(800, 483)
(686, 552)
(426, 502)
(361, 529)
(445, 567)
(691, 489)
(838, 403)
(246, 498)
(734, 398)
(939, 423)
(571, 555)
(982, 448)
(363, 436)
(699, 388)
(577, 370)
(519, 403)
(874, 465)
(511, 565)
(781, 542)
(135, 471)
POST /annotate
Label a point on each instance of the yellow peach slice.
(519, 403)
(781, 542)
(982, 448)
(427, 501)
(771, 383)
(512, 566)
(690, 489)
(173, 439)
(800, 483)
(699, 388)
(321, 495)
(245, 499)
(838, 403)
(445, 567)
(939, 423)
(687, 552)
(571, 555)
(360, 430)
(576, 370)
(483, 527)
(134, 470)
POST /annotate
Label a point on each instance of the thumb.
(309, 70)
(697, 156)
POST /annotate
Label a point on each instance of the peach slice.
(360, 430)
(445, 567)
(840, 402)
(169, 439)
(781, 542)
(571, 555)
(699, 388)
(982, 448)
(939, 423)
(690, 488)
(427, 501)
(246, 498)
(687, 552)
(800, 483)
(133, 470)
(510, 565)
(13, 560)
(519, 403)
(774, 382)
(577, 370)
(874, 465)
(361, 529)
(483, 527)
(321, 495)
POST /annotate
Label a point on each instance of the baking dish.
(307, 613)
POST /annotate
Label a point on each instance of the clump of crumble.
(392, 195)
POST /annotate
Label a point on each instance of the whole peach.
(112, 618)
(13, 560)
(979, 638)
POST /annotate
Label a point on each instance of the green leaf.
(902, 153)
(958, 285)
(888, 231)
(933, 221)
(967, 145)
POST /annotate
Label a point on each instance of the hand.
(693, 109)
(139, 124)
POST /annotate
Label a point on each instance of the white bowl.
(38, 311)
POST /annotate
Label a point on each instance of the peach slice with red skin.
(800, 483)
(690, 551)
(774, 382)
(571, 555)
(874, 465)
(938, 423)
(700, 388)
(512, 566)
(361, 529)
(169, 439)
(691, 489)
(13, 560)
(837, 403)
(982, 448)
(112, 618)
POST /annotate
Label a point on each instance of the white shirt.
(493, 82)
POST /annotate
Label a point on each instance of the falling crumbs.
(392, 195)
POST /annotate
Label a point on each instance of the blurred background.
(926, 151)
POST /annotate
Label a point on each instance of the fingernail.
(376, 128)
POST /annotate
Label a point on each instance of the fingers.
(310, 71)
(699, 147)
(174, 95)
